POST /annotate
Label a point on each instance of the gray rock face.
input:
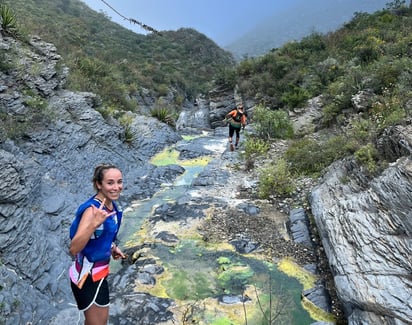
(196, 117)
(366, 230)
(396, 142)
(299, 227)
(362, 100)
(46, 173)
(304, 120)
(210, 112)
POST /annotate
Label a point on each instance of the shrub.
(395, 4)
(328, 70)
(162, 89)
(164, 115)
(35, 102)
(362, 130)
(8, 20)
(272, 124)
(367, 52)
(5, 65)
(368, 157)
(38, 116)
(276, 179)
(309, 157)
(403, 89)
(226, 77)
(108, 111)
(126, 121)
(295, 97)
(92, 68)
(160, 113)
(387, 111)
(338, 147)
(255, 147)
(179, 100)
(337, 98)
(305, 156)
(312, 83)
(387, 72)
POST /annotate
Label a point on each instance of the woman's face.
(112, 184)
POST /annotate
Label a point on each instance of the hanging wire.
(133, 21)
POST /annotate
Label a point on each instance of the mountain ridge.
(297, 22)
(104, 56)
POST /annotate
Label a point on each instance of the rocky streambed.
(221, 236)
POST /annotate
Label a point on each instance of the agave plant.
(163, 114)
(8, 21)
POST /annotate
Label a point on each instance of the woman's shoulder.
(87, 204)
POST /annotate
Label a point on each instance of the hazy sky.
(217, 19)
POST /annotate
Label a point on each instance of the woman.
(237, 120)
(93, 236)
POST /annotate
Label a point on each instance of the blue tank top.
(99, 246)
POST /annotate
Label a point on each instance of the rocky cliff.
(50, 141)
(366, 229)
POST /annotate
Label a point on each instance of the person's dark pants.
(232, 131)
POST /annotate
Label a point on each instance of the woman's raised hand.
(100, 214)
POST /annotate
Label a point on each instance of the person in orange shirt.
(237, 120)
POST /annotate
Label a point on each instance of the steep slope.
(117, 63)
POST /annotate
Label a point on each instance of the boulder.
(366, 229)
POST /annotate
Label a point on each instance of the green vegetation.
(309, 157)
(272, 124)
(8, 21)
(40, 114)
(164, 115)
(370, 52)
(233, 278)
(126, 121)
(368, 55)
(276, 179)
(368, 156)
(255, 146)
(117, 63)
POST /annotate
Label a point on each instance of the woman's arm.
(244, 119)
(91, 219)
(229, 115)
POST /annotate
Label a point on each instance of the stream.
(209, 283)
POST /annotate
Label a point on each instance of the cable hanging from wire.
(133, 21)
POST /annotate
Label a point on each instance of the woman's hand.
(100, 215)
(117, 253)
(92, 218)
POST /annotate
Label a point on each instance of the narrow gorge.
(363, 223)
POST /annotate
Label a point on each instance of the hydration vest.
(99, 245)
(238, 117)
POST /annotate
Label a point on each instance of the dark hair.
(99, 174)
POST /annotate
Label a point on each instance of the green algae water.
(199, 274)
(215, 284)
